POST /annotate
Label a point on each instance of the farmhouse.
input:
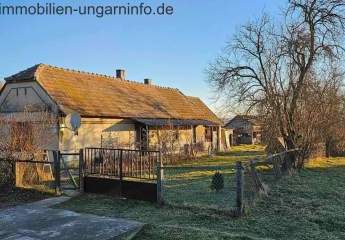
(115, 112)
(246, 129)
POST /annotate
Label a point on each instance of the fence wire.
(259, 175)
(256, 183)
(199, 186)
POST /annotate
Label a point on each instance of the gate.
(122, 172)
(67, 167)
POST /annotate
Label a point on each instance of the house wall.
(16, 97)
(241, 125)
(120, 133)
(200, 134)
(245, 132)
(256, 134)
(185, 137)
(25, 101)
(98, 132)
(227, 138)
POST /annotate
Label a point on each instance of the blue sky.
(172, 50)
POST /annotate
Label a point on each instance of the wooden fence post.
(277, 162)
(81, 170)
(239, 189)
(57, 169)
(159, 174)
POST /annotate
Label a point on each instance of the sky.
(172, 50)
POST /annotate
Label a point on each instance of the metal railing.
(121, 163)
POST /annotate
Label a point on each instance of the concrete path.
(37, 221)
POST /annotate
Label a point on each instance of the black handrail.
(120, 163)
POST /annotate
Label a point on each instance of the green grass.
(189, 183)
(237, 153)
(308, 205)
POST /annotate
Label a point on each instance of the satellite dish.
(73, 121)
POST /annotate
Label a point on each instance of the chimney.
(120, 73)
(148, 81)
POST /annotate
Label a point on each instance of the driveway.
(37, 221)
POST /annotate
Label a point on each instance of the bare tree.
(275, 67)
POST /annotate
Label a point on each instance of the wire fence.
(231, 189)
(204, 187)
(222, 187)
(259, 175)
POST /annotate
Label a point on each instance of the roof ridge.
(193, 97)
(104, 76)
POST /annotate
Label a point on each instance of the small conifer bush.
(217, 181)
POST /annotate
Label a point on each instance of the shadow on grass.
(19, 196)
(240, 153)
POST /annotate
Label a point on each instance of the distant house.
(114, 112)
(227, 135)
(246, 129)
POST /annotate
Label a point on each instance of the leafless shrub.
(169, 143)
(25, 136)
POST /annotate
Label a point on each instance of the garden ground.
(308, 205)
(20, 195)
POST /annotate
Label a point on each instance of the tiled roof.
(103, 96)
(255, 120)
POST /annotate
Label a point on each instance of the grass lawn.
(309, 205)
(189, 183)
